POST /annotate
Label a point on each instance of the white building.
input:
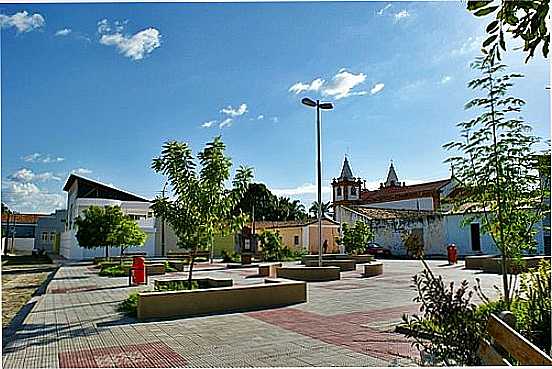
(84, 192)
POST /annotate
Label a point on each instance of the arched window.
(353, 191)
(339, 191)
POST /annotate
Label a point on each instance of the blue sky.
(98, 88)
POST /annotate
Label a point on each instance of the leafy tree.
(523, 19)
(271, 244)
(202, 206)
(325, 209)
(286, 209)
(498, 169)
(356, 238)
(108, 227)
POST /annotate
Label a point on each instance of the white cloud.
(28, 197)
(81, 171)
(42, 158)
(22, 21)
(299, 87)
(305, 189)
(25, 175)
(378, 87)
(260, 117)
(226, 123)
(63, 32)
(470, 45)
(134, 46)
(342, 84)
(275, 119)
(401, 15)
(208, 124)
(446, 79)
(382, 10)
(241, 110)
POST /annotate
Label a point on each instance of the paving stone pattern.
(350, 322)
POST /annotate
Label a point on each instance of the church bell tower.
(346, 188)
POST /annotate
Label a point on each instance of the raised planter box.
(494, 265)
(362, 259)
(178, 304)
(373, 269)
(268, 270)
(343, 265)
(311, 257)
(203, 283)
(476, 261)
(178, 264)
(309, 274)
(155, 269)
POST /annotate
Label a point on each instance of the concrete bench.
(174, 304)
(268, 270)
(343, 265)
(309, 274)
(494, 265)
(373, 269)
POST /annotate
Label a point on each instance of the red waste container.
(138, 270)
(452, 254)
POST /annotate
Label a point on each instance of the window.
(339, 191)
(52, 236)
(44, 236)
(296, 240)
(353, 191)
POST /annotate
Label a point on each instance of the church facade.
(396, 208)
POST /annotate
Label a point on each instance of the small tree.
(108, 227)
(202, 206)
(325, 208)
(271, 243)
(498, 169)
(356, 238)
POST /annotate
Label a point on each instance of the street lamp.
(324, 106)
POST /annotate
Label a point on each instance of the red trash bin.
(452, 254)
(138, 270)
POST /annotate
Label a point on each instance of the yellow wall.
(328, 233)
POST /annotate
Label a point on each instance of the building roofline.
(72, 177)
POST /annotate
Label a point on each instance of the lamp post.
(163, 224)
(324, 106)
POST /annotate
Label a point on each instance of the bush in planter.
(169, 268)
(230, 258)
(114, 271)
(177, 285)
(356, 238)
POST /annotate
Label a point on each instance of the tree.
(523, 19)
(258, 196)
(356, 238)
(108, 227)
(271, 242)
(325, 209)
(286, 209)
(497, 167)
(202, 206)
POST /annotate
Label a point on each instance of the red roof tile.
(402, 192)
(23, 218)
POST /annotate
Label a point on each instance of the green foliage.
(169, 285)
(130, 304)
(497, 167)
(269, 206)
(356, 238)
(169, 268)
(114, 271)
(108, 227)
(533, 311)
(413, 244)
(522, 19)
(326, 206)
(448, 322)
(230, 258)
(201, 206)
(271, 244)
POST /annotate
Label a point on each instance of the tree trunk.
(192, 258)
(107, 252)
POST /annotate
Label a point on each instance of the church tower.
(392, 179)
(346, 188)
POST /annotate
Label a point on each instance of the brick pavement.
(344, 323)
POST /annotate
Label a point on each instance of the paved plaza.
(350, 322)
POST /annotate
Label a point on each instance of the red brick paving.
(146, 355)
(346, 330)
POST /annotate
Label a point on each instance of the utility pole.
(163, 225)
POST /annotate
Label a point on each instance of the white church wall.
(422, 203)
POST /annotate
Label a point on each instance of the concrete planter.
(203, 283)
(343, 265)
(178, 304)
(477, 261)
(309, 274)
(373, 269)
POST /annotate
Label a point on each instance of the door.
(475, 237)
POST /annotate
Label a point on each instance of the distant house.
(48, 231)
(84, 192)
(19, 235)
(303, 235)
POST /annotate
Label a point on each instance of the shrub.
(356, 238)
(169, 268)
(230, 258)
(114, 271)
(130, 304)
(448, 323)
(175, 286)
